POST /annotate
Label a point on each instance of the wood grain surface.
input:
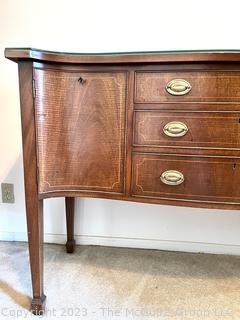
(80, 128)
(205, 129)
(17, 54)
(92, 126)
(34, 206)
(205, 179)
(208, 86)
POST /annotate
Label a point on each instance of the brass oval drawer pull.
(175, 129)
(178, 87)
(172, 177)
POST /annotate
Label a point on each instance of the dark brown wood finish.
(93, 127)
(204, 129)
(205, 178)
(80, 122)
(129, 128)
(207, 86)
(17, 54)
(70, 244)
(34, 206)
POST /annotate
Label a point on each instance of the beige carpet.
(114, 283)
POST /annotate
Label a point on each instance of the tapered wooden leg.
(35, 241)
(34, 206)
(70, 244)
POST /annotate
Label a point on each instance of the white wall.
(100, 26)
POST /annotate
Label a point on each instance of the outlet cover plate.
(7, 192)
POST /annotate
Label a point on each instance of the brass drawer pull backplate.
(178, 87)
(172, 177)
(175, 129)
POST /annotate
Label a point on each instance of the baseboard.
(169, 245)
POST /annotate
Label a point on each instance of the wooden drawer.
(213, 179)
(187, 129)
(198, 86)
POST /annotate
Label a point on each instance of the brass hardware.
(175, 129)
(178, 87)
(172, 177)
(33, 88)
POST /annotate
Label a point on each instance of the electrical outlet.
(7, 193)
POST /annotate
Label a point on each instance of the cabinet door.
(80, 118)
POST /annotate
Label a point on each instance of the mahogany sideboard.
(155, 127)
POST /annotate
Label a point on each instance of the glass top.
(127, 53)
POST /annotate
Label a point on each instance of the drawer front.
(186, 178)
(195, 86)
(80, 128)
(187, 129)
